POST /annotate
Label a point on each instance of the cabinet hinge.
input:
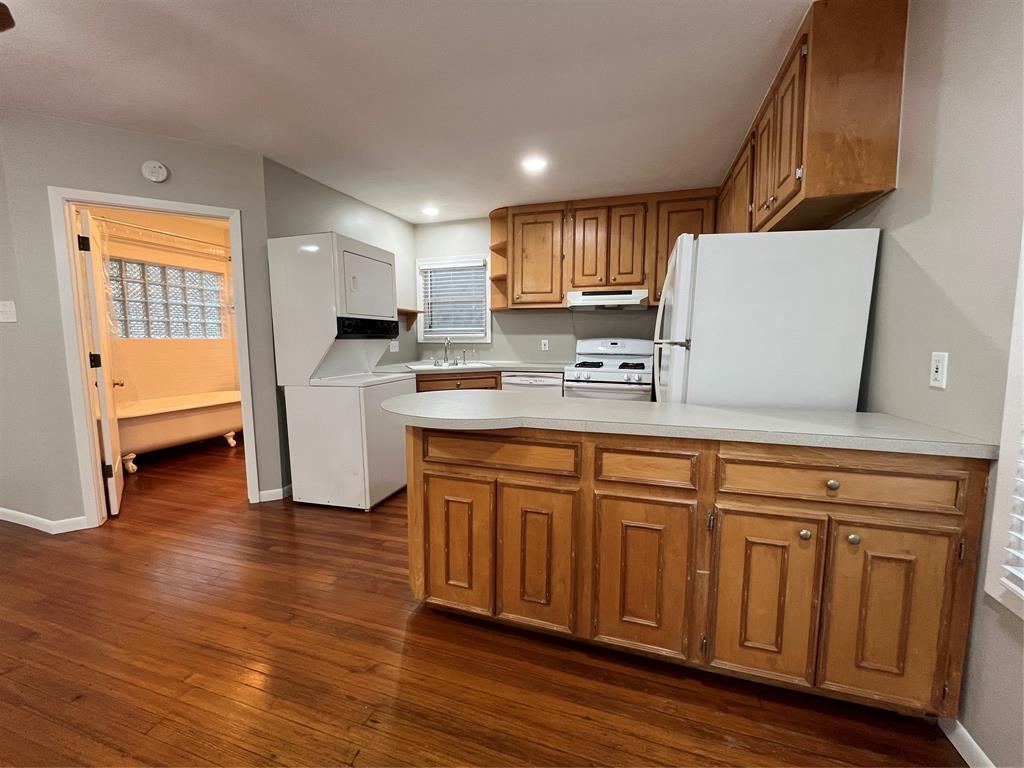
(108, 471)
(703, 644)
(83, 243)
(961, 550)
(750, 208)
(804, 49)
(95, 361)
(711, 520)
(799, 172)
(945, 691)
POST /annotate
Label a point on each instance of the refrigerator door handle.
(684, 344)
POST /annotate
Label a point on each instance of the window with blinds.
(454, 300)
(1013, 565)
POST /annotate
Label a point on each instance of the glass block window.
(155, 301)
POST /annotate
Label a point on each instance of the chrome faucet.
(447, 346)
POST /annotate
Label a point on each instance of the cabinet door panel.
(673, 218)
(767, 594)
(886, 610)
(590, 247)
(537, 258)
(734, 201)
(460, 536)
(536, 556)
(764, 159)
(626, 246)
(642, 565)
(789, 131)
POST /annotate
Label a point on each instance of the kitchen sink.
(453, 366)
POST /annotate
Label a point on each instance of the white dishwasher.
(541, 384)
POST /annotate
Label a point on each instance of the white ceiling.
(404, 102)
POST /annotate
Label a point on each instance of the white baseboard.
(274, 494)
(965, 744)
(41, 523)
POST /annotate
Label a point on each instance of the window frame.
(437, 262)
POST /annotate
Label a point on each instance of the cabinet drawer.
(647, 466)
(503, 453)
(872, 487)
(433, 382)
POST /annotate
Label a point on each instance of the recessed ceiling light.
(430, 210)
(534, 163)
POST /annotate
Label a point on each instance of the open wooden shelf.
(410, 316)
(500, 247)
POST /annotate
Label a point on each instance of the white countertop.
(555, 366)
(360, 379)
(494, 409)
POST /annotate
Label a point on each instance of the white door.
(90, 254)
(369, 287)
(780, 319)
(672, 327)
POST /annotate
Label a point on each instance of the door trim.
(85, 430)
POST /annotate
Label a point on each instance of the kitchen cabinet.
(768, 591)
(589, 247)
(536, 563)
(537, 258)
(735, 200)
(826, 136)
(673, 216)
(626, 245)
(641, 561)
(431, 382)
(846, 573)
(459, 542)
(887, 611)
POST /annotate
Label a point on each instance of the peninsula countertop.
(494, 409)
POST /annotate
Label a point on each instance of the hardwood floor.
(199, 630)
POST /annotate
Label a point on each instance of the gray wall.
(516, 334)
(948, 263)
(38, 470)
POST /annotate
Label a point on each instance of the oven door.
(607, 391)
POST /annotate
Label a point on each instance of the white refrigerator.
(773, 319)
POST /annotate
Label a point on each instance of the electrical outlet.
(393, 345)
(938, 370)
(8, 312)
(544, 346)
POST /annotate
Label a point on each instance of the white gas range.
(611, 369)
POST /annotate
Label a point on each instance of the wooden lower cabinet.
(460, 542)
(431, 382)
(536, 556)
(845, 573)
(888, 605)
(641, 565)
(767, 593)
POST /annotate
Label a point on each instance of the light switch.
(544, 345)
(8, 312)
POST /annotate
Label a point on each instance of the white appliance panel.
(325, 442)
(673, 326)
(780, 319)
(368, 286)
(545, 385)
(385, 439)
(603, 391)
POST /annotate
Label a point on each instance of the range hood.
(626, 299)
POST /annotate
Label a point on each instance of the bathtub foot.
(128, 460)
(230, 437)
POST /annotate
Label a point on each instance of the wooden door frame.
(86, 435)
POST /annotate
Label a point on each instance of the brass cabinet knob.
(853, 538)
(805, 534)
(613, 278)
(458, 385)
(832, 485)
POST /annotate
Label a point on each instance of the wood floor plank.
(197, 629)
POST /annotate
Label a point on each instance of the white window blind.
(1013, 562)
(454, 300)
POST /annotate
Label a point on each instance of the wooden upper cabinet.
(827, 133)
(887, 609)
(735, 201)
(764, 161)
(536, 556)
(626, 244)
(460, 550)
(673, 217)
(589, 247)
(536, 259)
(642, 561)
(788, 140)
(768, 589)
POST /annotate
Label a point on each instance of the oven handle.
(606, 386)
